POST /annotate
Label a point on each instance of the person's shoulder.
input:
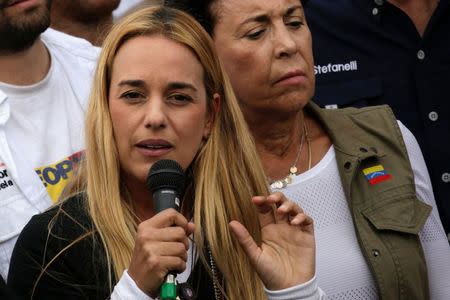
(70, 213)
(367, 110)
(369, 123)
(69, 45)
(75, 59)
(377, 118)
(59, 249)
(59, 224)
(364, 114)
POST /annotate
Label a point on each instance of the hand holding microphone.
(162, 241)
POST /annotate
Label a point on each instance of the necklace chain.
(216, 277)
(283, 182)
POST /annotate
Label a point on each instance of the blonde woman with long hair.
(359, 173)
(160, 92)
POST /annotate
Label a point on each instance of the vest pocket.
(403, 213)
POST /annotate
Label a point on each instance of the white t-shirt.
(41, 135)
(341, 269)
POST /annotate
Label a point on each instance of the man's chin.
(22, 31)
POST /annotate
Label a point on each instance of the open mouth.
(154, 150)
(154, 147)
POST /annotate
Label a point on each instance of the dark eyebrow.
(135, 82)
(258, 19)
(292, 9)
(171, 86)
(265, 18)
(180, 86)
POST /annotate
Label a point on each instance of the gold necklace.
(283, 182)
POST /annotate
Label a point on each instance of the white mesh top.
(341, 270)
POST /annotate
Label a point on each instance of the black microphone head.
(167, 174)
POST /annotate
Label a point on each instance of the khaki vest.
(387, 215)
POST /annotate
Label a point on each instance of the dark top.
(80, 271)
(368, 52)
(5, 293)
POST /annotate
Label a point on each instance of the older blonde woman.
(160, 93)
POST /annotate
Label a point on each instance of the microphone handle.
(165, 199)
(169, 287)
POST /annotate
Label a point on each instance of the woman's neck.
(141, 199)
(277, 140)
(277, 136)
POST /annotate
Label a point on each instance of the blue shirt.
(368, 52)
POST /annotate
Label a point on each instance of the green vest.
(387, 214)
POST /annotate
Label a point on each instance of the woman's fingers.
(162, 257)
(289, 209)
(150, 282)
(169, 234)
(293, 214)
(172, 263)
(266, 206)
(276, 208)
(303, 220)
(169, 249)
(164, 250)
(190, 229)
(246, 241)
(161, 246)
(168, 225)
(166, 218)
(286, 256)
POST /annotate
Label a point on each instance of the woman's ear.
(212, 116)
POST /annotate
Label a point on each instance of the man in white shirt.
(45, 78)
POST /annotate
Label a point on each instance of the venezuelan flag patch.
(376, 174)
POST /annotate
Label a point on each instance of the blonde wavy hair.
(227, 171)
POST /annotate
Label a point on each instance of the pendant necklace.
(281, 183)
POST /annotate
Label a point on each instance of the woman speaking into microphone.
(160, 92)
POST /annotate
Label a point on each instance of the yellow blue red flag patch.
(376, 174)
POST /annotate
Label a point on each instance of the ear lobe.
(212, 116)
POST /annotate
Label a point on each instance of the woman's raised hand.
(287, 253)
(161, 246)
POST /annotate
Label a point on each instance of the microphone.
(166, 181)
